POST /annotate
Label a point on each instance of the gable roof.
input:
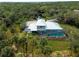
(41, 22)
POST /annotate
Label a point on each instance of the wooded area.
(16, 43)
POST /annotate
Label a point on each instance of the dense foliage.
(15, 42)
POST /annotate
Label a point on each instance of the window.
(41, 27)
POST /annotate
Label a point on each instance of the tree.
(75, 46)
(7, 52)
(32, 44)
(43, 42)
(47, 51)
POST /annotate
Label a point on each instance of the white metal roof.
(52, 25)
(30, 22)
(53, 20)
(33, 27)
(41, 22)
(49, 25)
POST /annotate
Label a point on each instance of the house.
(45, 28)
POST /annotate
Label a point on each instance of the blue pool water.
(56, 35)
(52, 33)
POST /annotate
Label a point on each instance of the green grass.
(59, 44)
(64, 44)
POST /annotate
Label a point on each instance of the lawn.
(58, 45)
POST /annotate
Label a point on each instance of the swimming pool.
(52, 33)
(55, 33)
